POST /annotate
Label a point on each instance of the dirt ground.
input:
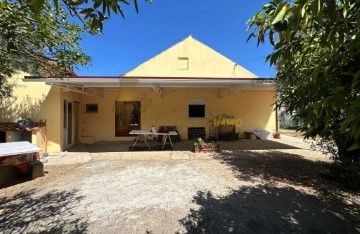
(240, 190)
(291, 132)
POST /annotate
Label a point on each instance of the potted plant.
(276, 135)
(201, 146)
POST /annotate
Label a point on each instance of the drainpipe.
(277, 119)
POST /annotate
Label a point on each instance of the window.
(127, 117)
(183, 63)
(91, 108)
(197, 109)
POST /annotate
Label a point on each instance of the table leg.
(145, 140)
(164, 141)
(137, 138)
(171, 142)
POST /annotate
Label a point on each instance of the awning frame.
(95, 86)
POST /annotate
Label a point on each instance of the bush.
(287, 121)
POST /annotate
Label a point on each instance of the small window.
(196, 109)
(91, 108)
(183, 63)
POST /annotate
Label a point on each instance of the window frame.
(124, 131)
(182, 66)
(87, 111)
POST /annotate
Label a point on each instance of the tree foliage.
(44, 42)
(317, 52)
(92, 13)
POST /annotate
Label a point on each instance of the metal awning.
(96, 85)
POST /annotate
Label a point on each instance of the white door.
(69, 124)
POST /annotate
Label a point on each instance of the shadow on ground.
(10, 175)
(303, 203)
(275, 166)
(52, 212)
(264, 210)
(126, 146)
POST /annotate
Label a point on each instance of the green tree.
(317, 52)
(44, 42)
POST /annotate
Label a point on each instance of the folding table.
(143, 134)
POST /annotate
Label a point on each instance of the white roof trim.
(161, 83)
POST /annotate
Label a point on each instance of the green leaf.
(271, 37)
(97, 3)
(316, 6)
(327, 70)
(86, 11)
(37, 5)
(104, 6)
(303, 10)
(331, 9)
(250, 36)
(304, 23)
(75, 2)
(280, 12)
(354, 146)
(136, 6)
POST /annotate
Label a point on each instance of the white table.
(143, 134)
(17, 152)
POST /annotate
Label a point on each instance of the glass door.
(69, 124)
(127, 117)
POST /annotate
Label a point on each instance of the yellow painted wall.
(50, 112)
(252, 107)
(45, 103)
(37, 101)
(203, 62)
(39, 138)
(25, 101)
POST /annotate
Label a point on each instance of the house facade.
(189, 86)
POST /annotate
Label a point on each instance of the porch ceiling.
(225, 86)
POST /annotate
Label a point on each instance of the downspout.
(277, 119)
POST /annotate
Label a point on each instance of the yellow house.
(189, 86)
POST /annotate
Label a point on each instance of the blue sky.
(128, 42)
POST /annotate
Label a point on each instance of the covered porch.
(106, 109)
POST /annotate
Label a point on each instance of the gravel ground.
(238, 191)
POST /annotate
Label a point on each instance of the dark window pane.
(196, 111)
(91, 108)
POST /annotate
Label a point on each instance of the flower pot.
(207, 149)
